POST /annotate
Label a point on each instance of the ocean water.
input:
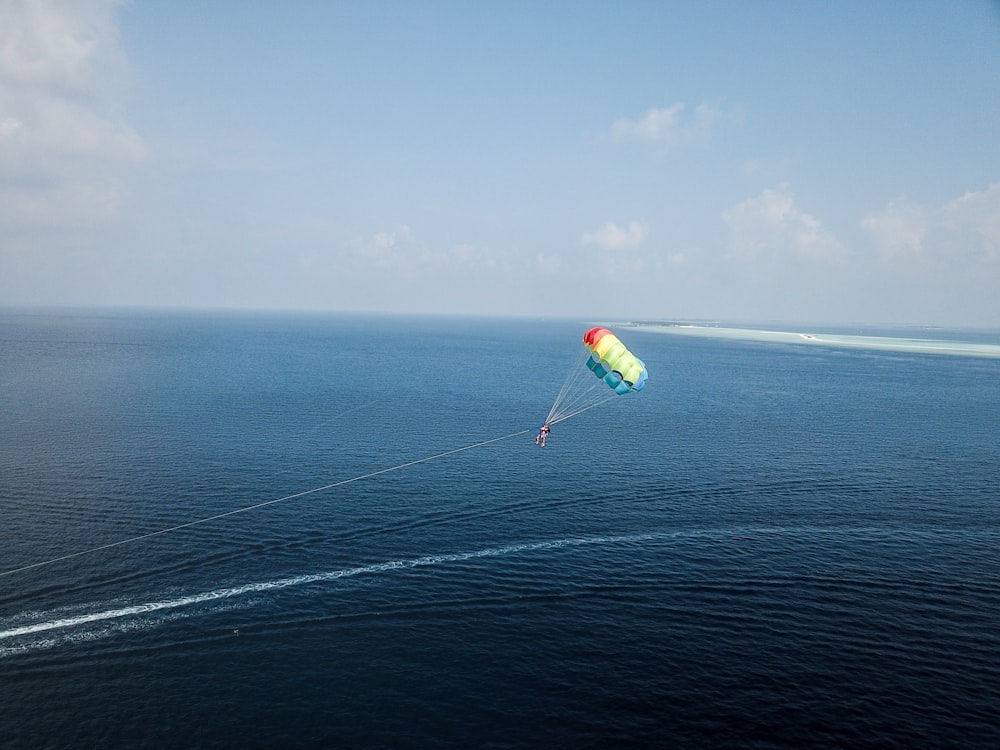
(772, 545)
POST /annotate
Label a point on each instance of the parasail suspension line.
(579, 392)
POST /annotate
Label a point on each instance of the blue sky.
(766, 161)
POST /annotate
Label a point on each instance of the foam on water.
(146, 615)
(45, 624)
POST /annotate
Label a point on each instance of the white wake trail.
(233, 592)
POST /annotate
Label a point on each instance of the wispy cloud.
(898, 229)
(771, 228)
(965, 229)
(63, 146)
(69, 47)
(399, 250)
(671, 126)
(614, 237)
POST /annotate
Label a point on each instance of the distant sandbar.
(809, 338)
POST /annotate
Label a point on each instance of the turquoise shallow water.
(979, 343)
(771, 546)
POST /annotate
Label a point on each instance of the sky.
(737, 161)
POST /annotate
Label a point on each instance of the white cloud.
(658, 124)
(465, 254)
(383, 241)
(965, 229)
(389, 249)
(65, 153)
(547, 263)
(70, 47)
(8, 125)
(973, 221)
(770, 228)
(613, 237)
(668, 126)
(898, 229)
(399, 251)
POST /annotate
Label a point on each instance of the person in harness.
(543, 433)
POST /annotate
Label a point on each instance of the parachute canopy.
(612, 362)
(617, 372)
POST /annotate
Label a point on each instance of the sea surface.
(243, 530)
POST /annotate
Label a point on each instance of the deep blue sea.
(770, 546)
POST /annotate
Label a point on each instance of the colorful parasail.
(612, 362)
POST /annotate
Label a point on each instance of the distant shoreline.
(809, 337)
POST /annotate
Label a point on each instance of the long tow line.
(216, 517)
